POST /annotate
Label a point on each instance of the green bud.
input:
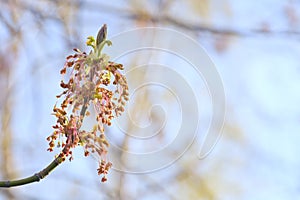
(101, 35)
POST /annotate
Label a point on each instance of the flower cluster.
(93, 80)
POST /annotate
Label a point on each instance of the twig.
(42, 174)
(36, 177)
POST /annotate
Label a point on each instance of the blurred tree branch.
(163, 18)
(7, 164)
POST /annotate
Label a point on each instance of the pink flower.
(93, 79)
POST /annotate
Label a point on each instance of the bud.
(102, 33)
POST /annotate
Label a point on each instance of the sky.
(260, 76)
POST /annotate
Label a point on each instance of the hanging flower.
(93, 79)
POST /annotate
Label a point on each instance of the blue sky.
(260, 73)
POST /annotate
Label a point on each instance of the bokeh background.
(255, 47)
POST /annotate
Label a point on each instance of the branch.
(36, 177)
(184, 24)
(218, 30)
(42, 174)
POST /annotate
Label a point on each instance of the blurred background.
(255, 47)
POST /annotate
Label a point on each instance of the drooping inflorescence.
(93, 81)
